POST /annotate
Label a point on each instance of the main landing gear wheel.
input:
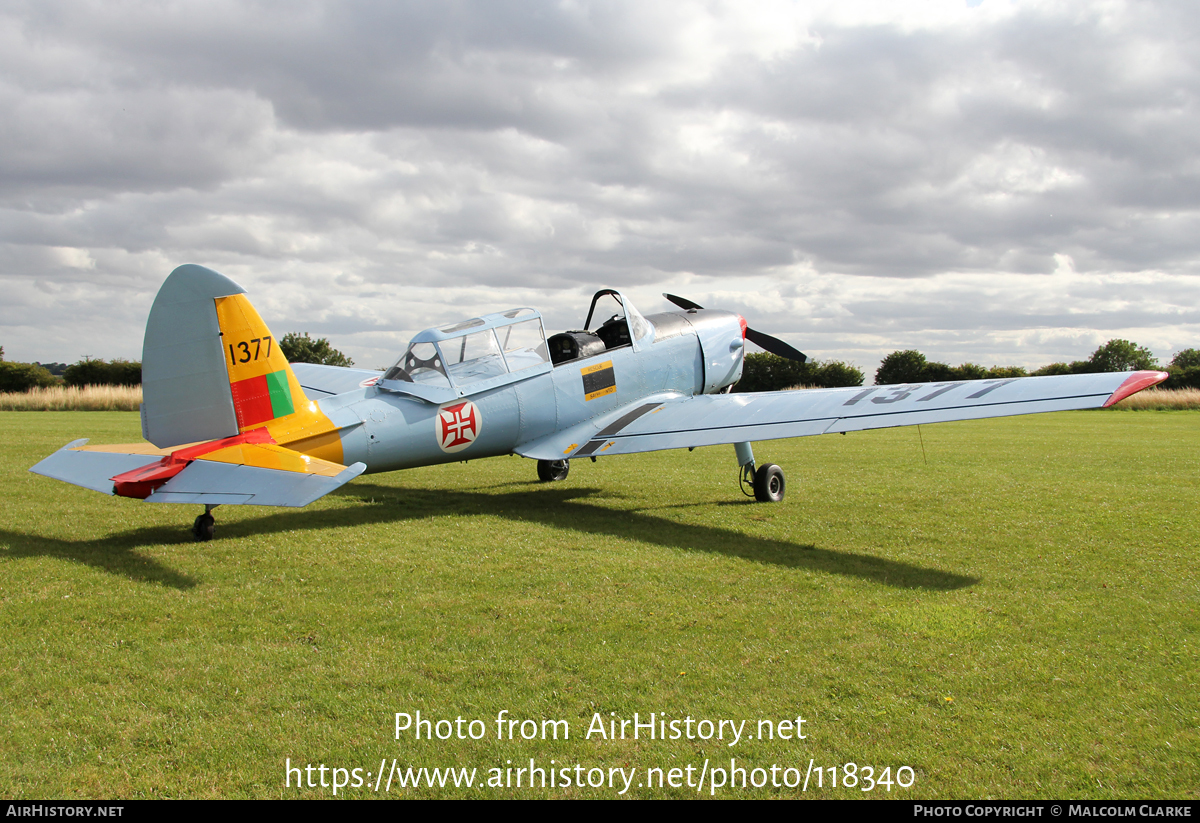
(768, 483)
(204, 526)
(552, 470)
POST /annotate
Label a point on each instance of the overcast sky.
(996, 182)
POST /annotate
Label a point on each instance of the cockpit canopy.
(473, 350)
(617, 324)
(483, 352)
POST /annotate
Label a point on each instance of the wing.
(231, 472)
(321, 381)
(672, 421)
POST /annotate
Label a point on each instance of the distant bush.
(834, 374)
(304, 349)
(20, 377)
(55, 369)
(1074, 367)
(907, 366)
(1115, 355)
(1005, 372)
(911, 367)
(968, 371)
(1182, 378)
(1186, 359)
(770, 372)
(103, 373)
(1122, 355)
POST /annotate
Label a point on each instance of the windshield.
(614, 320)
(422, 363)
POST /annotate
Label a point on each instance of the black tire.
(204, 526)
(550, 471)
(768, 483)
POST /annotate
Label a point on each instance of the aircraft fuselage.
(389, 431)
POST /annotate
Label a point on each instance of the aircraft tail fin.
(185, 382)
(211, 369)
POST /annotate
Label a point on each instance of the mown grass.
(1011, 612)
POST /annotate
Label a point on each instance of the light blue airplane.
(230, 422)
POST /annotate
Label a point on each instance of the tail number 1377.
(246, 351)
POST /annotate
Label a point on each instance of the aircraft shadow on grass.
(113, 553)
(568, 509)
(558, 508)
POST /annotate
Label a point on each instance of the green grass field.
(1014, 618)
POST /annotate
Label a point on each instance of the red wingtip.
(1135, 383)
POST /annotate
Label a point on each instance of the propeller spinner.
(764, 341)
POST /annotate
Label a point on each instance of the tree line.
(769, 372)
(760, 371)
(21, 377)
(911, 366)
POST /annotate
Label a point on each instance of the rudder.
(185, 383)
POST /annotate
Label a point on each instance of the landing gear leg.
(745, 459)
(203, 528)
(552, 470)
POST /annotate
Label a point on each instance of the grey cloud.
(481, 145)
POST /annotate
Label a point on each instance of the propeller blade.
(682, 302)
(775, 346)
(764, 341)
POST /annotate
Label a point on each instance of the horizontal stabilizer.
(211, 483)
(320, 381)
(247, 469)
(89, 468)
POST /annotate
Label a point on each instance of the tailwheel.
(205, 524)
(550, 471)
(768, 483)
(203, 528)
